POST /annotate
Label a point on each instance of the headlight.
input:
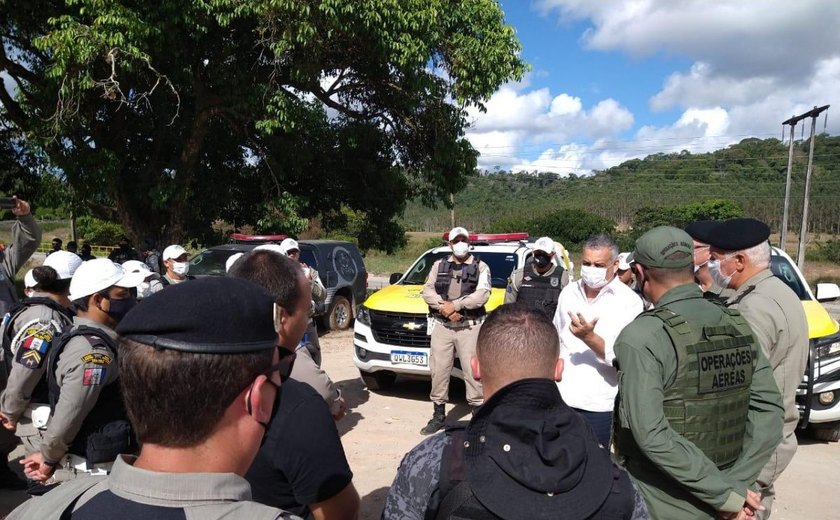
(363, 315)
(828, 351)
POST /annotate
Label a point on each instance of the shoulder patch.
(30, 359)
(37, 337)
(97, 358)
(93, 376)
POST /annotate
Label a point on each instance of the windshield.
(210, 262)
(500, 264)
(785, 272)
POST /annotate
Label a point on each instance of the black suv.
(339, 264)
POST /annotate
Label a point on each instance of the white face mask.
(593, 277)
(460, 249)
(718, 277)
(180, 268)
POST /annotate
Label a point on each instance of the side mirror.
(395, 277)
(827, 292)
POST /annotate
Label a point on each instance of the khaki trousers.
(448, 340)
(778, 462)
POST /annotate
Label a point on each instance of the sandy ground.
(381, 427)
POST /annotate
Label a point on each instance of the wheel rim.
(341, 315)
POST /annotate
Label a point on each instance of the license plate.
(410, 357)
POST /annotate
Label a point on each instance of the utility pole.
(786, 211)
(452, 211)
(803, 230)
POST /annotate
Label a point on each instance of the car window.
(500, 264)
(784, 271)
(210, 262)
(307, 256)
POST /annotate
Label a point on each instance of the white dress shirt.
(589, 382)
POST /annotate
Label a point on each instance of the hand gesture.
(455, 316)
(35, 469)
(580, 327)
(447, 308)
(22, 207)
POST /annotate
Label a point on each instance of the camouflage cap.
(664, 246)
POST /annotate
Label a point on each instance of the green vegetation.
(167, 116)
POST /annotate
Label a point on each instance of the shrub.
(571, 226)
(95, 231)
(828, 251)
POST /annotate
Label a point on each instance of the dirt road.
(381, 427)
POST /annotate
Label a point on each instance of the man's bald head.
(517, 342)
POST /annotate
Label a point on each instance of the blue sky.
(617, 79)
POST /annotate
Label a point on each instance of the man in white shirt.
(590, 314)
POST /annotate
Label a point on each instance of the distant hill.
(750, 173)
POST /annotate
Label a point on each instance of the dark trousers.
(601, 423)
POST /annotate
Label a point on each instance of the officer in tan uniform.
(700, 232)
(30, 333)
(740, 260)
(200, 370)
(456, 291)
(87, 426)
(539, 282)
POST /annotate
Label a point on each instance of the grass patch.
(380, 263)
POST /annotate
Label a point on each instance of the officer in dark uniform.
(698, 413)
(456, 291)
(87, 426)
(200, 371)
(700, 232)
(539, 282)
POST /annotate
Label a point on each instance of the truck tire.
(341, 314)
(378, 381)
(828, 432)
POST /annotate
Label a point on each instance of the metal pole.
(452, 211)
(787, 191)
(803, 231)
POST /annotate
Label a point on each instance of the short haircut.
(517, 342)
(176, 399)
(82, 303)
(47, 280)
(671, 276)
(276, 273)
(759, 255)
(601, 242)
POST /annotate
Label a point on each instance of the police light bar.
(493, 237)
(239, 237)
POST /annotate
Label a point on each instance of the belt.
(460, 324)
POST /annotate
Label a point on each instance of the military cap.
(664, 246)
(699, 230)
(213, 315)
(738, 234)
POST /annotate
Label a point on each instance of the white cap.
(172, 252)
(622, 262)
(232, 260)
(29, 280)
(289, 244)
(99, 274)
(65, 263)
(136, 266)
(271, 247)
(544, 244)
(457, 232)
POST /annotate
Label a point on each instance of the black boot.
(436, 422)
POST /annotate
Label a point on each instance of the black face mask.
(541, 261)
(119, 308)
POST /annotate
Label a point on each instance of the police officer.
(200, 370)
(124, 252)
(26, 236)
(456, 290)
(31, 330)
(698, 413)
(290, 248)
(539, 282)
(176, 262)
(87, 427)
(701, 233)
(740, 260)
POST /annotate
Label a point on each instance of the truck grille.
(400, 329)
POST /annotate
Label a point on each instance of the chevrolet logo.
(413, 326)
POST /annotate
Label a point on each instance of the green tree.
(167, 115)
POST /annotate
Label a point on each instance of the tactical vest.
(709, 399)
(540, 292)
(469, 283)
(7, 331)
(106, 431)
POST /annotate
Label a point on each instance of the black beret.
(213, 315)
(699, 229)
(738, 234)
